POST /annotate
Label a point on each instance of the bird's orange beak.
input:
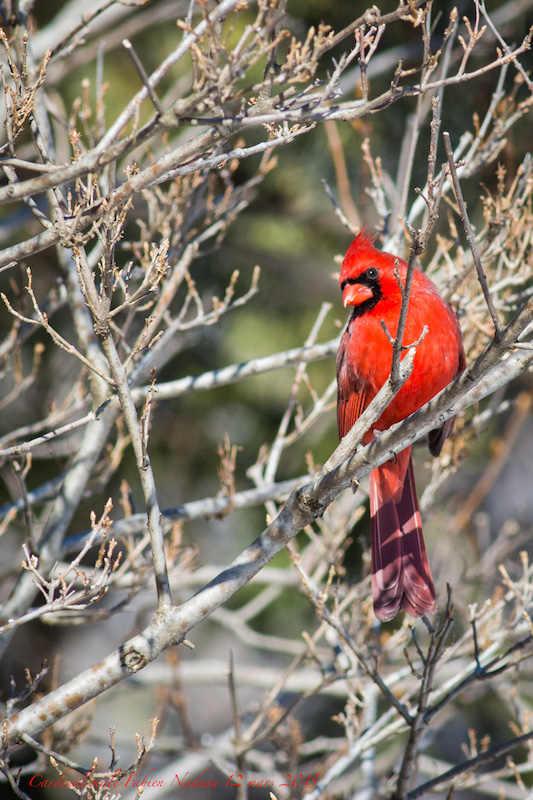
(356, 293)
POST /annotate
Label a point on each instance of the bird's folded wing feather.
(351, 396)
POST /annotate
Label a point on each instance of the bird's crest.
(361, 250)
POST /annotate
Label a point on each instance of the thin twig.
(471, 238)
(142, 73)
(470, 765)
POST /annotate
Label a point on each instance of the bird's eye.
(371, 273)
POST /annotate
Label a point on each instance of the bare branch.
(498, 327)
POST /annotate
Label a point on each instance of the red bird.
(400, 570)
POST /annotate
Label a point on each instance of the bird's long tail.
(401, 577)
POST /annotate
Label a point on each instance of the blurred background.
(289, 227)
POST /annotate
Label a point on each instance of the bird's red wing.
(349, 410)
(437, 437)
(351, 395)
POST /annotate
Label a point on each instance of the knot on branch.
(310, 505)
(74, 232)
(133, 660)
(102, 329)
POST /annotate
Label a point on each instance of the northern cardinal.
(401, 577)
